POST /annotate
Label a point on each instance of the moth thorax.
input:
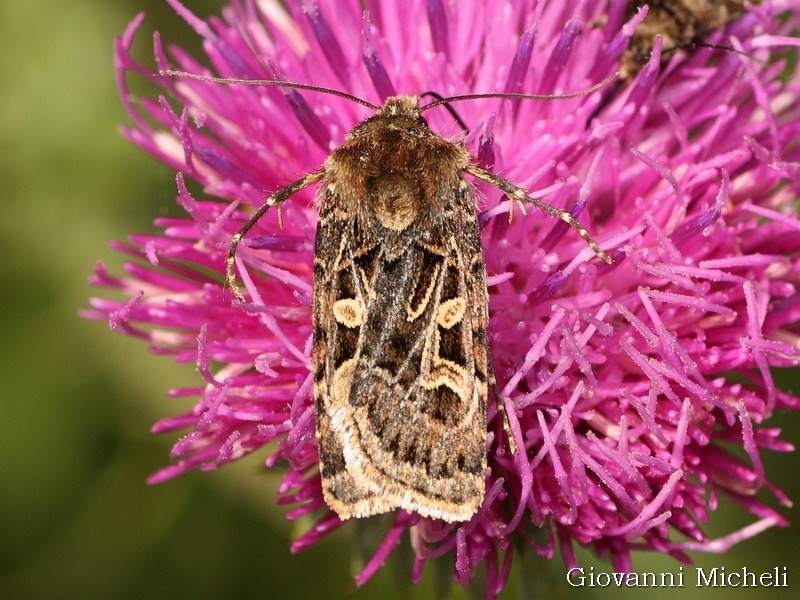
(397, 202)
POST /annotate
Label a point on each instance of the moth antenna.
(519, 96)
(677, 49)
(269, 83)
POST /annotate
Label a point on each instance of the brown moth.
(680, 23)
(400, 314)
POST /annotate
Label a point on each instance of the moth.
(680, 23)
(400, 313)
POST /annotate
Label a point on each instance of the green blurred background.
(76, 518)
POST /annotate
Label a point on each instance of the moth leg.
(275, 199)
(519, 195)
(501, 408)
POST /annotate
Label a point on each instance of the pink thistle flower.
(626, 384)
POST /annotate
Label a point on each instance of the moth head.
(401, 107)
(398, 114)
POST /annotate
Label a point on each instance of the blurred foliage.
(76, 518)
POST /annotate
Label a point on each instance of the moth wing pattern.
(400, 360)
(346, 495)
